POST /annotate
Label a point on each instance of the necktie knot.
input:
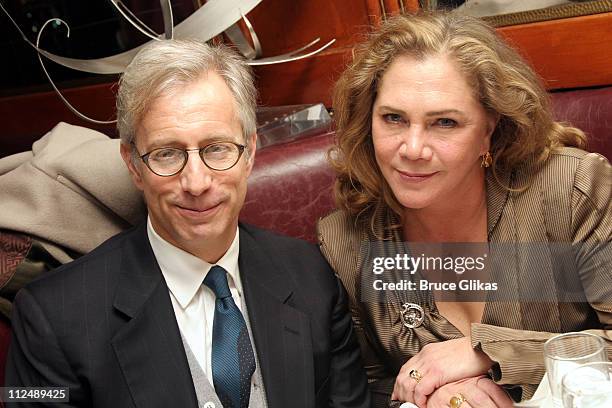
(216, 280)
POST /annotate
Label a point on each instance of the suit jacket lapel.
(281, 333)
(149, 346)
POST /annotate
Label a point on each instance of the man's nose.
(195, 177)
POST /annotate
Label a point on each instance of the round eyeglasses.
(168, 161)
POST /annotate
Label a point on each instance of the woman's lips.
(416, 177)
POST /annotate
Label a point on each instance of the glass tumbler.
(565, 352)
(588, 386)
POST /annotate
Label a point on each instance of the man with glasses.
(190, 308)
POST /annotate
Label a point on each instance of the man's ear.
(252, 149)
(128, 156)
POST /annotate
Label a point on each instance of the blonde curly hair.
(502, 81)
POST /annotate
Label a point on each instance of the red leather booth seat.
(591, 111)
(291, 184)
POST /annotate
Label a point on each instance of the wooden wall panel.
(311, 80)
(283, 25)
(307, 81)
(25, 118)
(568, 53)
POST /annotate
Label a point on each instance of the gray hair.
(165, 65)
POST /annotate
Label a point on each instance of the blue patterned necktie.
(233, 361)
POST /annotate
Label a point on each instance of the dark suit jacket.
(104, 326)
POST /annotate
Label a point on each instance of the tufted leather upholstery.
(291, 187)
(591, 111)
(291, 184)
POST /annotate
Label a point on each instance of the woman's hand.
(478, 392)
(438, 364)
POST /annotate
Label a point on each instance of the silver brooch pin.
(412, 315)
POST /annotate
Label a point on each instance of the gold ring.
(457, 400)
(414, 374)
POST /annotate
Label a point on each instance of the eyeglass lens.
(169, 161)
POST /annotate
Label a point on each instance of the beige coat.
(72, 189)
(60, 200)
(568, 201)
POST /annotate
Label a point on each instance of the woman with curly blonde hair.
(445, 136)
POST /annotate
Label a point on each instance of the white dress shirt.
(193, 302)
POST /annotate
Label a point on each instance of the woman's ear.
(492, 121)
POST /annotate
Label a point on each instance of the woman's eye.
(392, 118)
(446, 123)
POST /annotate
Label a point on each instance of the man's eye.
(392, 118)
(446, 123)
(165, 154)
(218, 148)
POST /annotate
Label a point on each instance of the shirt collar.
(185, 272)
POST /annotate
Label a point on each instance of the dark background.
(96, 30)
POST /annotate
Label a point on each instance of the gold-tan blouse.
(567, 201)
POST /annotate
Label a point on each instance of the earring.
(486, 161)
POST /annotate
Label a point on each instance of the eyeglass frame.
(145, 157)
